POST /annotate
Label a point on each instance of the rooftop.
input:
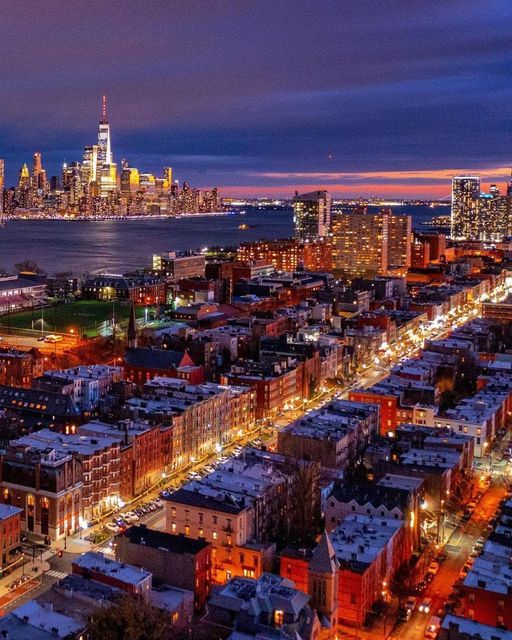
(359, 539)
(95, 561)
(475, 629)
(143, 535)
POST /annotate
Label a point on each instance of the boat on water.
(246, 226)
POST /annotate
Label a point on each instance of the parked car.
(441, 555)
(432, 628)
(113, 528)
(425, 605)
(433, 568)
(404, 614)
(410, 603)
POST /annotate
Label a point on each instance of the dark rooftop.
(141, 534)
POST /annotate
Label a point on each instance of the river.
(119, 245)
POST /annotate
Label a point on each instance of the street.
(458, 548)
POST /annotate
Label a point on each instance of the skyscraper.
(106, 171)
(399, 240)
(104, 150)
(312, 214)
(493, 221)
(38, 180)
(167, 178)
(367, 244)
(89, 164)
(24, 177)
(465, 202)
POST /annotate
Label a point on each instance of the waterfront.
(119, 245)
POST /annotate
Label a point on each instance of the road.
(29, 342)
(459, 547)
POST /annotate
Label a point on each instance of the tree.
(28, 265)
(447, 400)
(131, 617)
(304, 505)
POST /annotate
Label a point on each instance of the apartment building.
(205, 416)
(46, 486)
(238, 509)
(369, 244)
(144, 452)
(174, 560)
(90, 383)
(333, 435)
(100, 459)
(369, 550)
(289, 254)
(20, 367)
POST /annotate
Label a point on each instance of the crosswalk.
(56, 574)
(108, 551)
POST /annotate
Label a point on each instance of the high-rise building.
(129, 181)
(493, 221)
(366, 244)
(167, 178)
(465, 201)
(38, 180)
(89, 164)
(399, 241)
(24, 177)
(106, 170)
(312, 214)
(104, 149)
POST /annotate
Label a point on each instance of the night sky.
(367, 97)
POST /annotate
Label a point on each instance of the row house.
(195, 420)
(239, 509)
(369, 551)
(394, 497)
(486, 592)
(100, 459)
(275, 384)
(142, 453)
(20, 367)
(333, 436)
(90, 383)
(46, 486)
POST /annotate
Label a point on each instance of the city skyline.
(384, 92)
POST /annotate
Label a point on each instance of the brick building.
(172, 559)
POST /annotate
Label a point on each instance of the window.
(214, 519)
(278, 617)
(201, 532)
(173, 527)
(214, 535)
(200, 518)
(187, 530)
(242, 558)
